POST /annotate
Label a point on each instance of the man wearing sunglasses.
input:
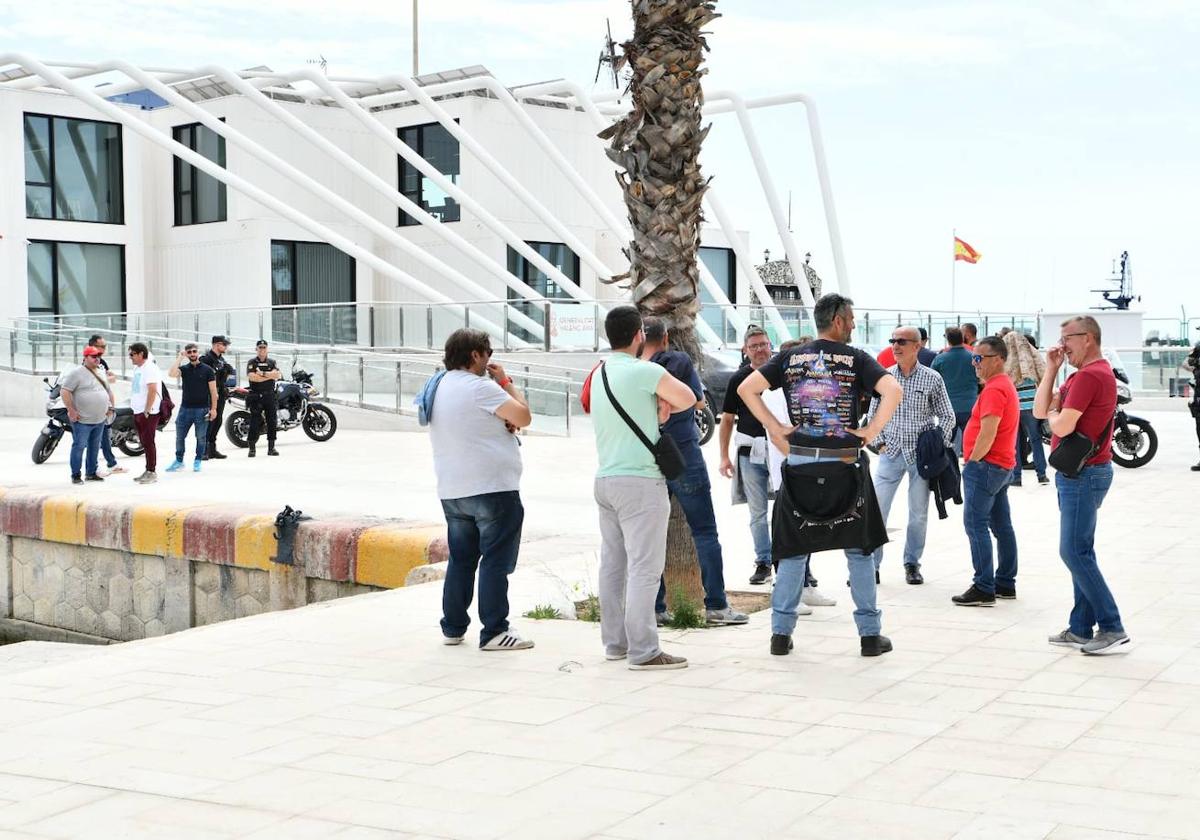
(989, 445)
(925, 402)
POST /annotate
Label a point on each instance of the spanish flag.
(964, 252)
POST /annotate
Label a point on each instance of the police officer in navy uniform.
(215, 359)
(263, 373)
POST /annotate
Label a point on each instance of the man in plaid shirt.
(925, 399)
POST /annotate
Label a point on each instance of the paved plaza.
(349, 719)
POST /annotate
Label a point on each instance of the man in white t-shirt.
(145, 399)
(473, 419)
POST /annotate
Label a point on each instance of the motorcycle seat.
(123, 411)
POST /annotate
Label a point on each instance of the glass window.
(312, 273)
(74, 278)
(73, 170)
(559, 256)
(722, 264)
(434, 144)
(199, 197)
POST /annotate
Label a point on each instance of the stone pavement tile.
(522, 708)
(451, 702)
(498, 775)
(633, 781)
(892, 783)
(820, 740)
(434, 739)
(1083, 805)
(1044, 712)
(929, 821)
(398, 697)
(350, 728)
(1075, 832)
(1053, 682)
(818, 827)
(1141, 715)
(987, 758)
(350, 765)
(642, 722)
(972, 792)
(880, 746)
(1055, 734)
(703, 700)
(732, 721)
(16, 787)
(640, 752)
(284, 790)
(988, 827)
(1108, 772)
(216, 820)
(1151, 743)
(903, 720)
(468, 822)
(41, 806)
(771, 768)
(814, 710)
(704, 761)
(301, 828)
(301, 746)
(570, 747)
(358, 832)
(1111, 686)
(721, 737)
(1077, 701)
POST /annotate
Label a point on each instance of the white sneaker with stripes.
(507, 641)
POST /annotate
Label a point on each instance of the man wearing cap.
(263, 373)
(215, 359)
(89, 403)
(98, 341)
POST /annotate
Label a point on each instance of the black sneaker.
(781, 645)
(1006, 593)
(92, 477)
(1042, 479)
(974, 598)
(272, 451)
(875, 645)
(1196, 467)
(215, 456)
(912, 575)
(76, 480)
(250, 454)
(762, 574)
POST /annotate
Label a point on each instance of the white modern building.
(118, 193)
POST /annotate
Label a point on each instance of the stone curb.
(371, 552)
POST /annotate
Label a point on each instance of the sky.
(1050, 135)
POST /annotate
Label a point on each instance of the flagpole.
(953, 267)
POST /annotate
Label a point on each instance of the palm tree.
(658, 146)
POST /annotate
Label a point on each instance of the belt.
(847, 455)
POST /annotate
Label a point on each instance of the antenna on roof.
(320, 62)
(1122, 278)
(609, 56)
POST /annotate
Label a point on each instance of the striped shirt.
(1026, 391)
(924, 399)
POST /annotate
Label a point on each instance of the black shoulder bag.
(666, 452)
(1073, 451)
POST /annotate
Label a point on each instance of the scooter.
(124, 433)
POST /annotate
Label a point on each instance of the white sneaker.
(816, 598)
(452, 640)
(803, 608)
(507, 641)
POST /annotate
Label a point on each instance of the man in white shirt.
(474, 415)
(145, 399)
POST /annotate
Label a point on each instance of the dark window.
(73, 278)
(434, 144)
(722, 264)
(199, 197)
(312, 273)
(73, 170)
(559, 256)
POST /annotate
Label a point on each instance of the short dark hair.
(791, 344)
(461, 344)
(971, 327)
(621, 326)
(924, 333)
(751, 331)
(655, 330)
(829, 307)
(994, 343)
(191, 345)
(96, 338)
(140, 349)
(954, 336)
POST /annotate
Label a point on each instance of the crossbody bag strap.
(103, 384)
(628, 420)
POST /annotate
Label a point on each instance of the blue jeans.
(694, 492)
(889, 471)
(86, 436)
(185, 419)
(106, 446)
(1032, 427)
(985, 505)
(1078, 501)
(960, 427)
(789, 584)
(756, 485)
(482, 532)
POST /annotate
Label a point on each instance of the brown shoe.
(662, 662)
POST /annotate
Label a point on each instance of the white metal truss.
(361, 98)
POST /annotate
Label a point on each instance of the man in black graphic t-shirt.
(824, 382)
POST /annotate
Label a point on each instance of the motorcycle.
(706, 420)
(295, 408)
(1134, 441)
(124, 433)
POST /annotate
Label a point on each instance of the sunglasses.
(979, 357)
(901, 342)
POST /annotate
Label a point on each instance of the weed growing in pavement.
(686, 614)
(588, 609)
(543, 611)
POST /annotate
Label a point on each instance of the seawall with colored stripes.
(120, 572)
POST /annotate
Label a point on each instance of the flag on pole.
(964, 252)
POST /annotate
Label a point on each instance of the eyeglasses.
(979, 357)
(1063, 340)
(901, 342)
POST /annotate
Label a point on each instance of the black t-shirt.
(824, 383)
(681, 425)
(195, 384)
(747, 423)
(221, 369)
(262, 366)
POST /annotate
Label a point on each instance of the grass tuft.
(543, 611)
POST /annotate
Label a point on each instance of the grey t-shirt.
(473, 451)
(90, 397)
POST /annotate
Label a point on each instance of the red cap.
(92, 351)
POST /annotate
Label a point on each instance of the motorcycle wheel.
(44, 447)
(237, 429)
(319, 423)
(706, 424)
(131, 445)
(1136, 448)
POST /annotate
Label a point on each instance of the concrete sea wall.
(95, 571)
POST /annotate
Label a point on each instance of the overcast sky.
(1051, 135)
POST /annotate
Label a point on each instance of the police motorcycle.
(295, 408)
(124, 433)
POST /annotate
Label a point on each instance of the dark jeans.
(262, 409)
(185, 419)
(985, 505)
(214, 426)
(1079, 500)
(86, 436)
(106, 447)
(694, 492)
(960, 427)
(147, 428)
(1032, 428)
(483, 532)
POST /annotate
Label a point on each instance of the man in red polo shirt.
(989, 445)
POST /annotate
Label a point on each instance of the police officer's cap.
(262, 342)
(220, 339)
